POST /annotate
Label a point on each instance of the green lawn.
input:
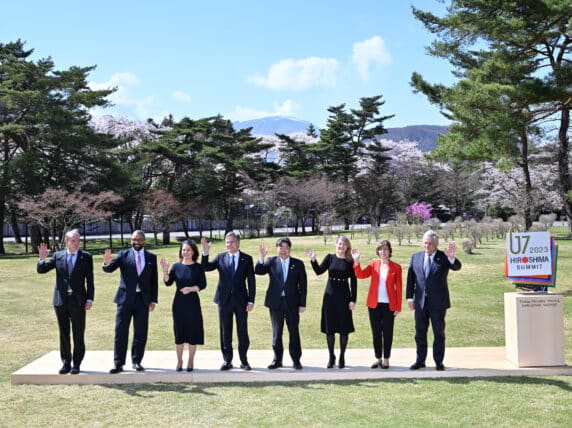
(28, 330)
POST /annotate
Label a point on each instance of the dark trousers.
(437, 318)
(71, 313)
(292, 318)
(381, 320)
(139, 312)
(225, 317)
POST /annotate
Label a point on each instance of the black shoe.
(384, 366)
(189, 369)
(275, 365)
(331, 361)
(226, 366)
(116, 369)
(297, 365)
(65, 368)
(376, 365)
(75, 370)
(179, 368)
(440, 367)
(417, 366)
(138, 367)
(245, 366)
(341, 363)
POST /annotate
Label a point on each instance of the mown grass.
(28, 330)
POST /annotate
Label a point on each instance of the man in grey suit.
(73, 295)
(428, 295)
(232, 295)
(285, 298)
(135, 298)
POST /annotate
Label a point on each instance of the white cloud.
(181, 96)
(298, 74)
(368, 52)
(240, 113)
(122, 99)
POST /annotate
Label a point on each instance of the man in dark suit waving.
(232, 296)
(428, 295)
(285, 297)
(73, 295)
(135, 298)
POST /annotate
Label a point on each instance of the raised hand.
(355, 255)
(263, 251)
(107, 256)
(310, 253)
(206, 246)
(43, 251)
(451, 249)
(164, 265)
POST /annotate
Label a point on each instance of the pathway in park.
(160, 367)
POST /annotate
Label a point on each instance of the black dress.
(187, 315)
(341, 289)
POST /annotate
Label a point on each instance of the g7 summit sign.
(528, 253)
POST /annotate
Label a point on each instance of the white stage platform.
(160, 367)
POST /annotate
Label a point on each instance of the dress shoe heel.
(66, 368)
(342, 363)
(275, 365)
(116, 369)
(226, 366)
(331, 362)
(417, 365)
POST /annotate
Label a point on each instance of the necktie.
(232, 265)
(427, 265)
(284, 271)
(70, 264)
(138, 263)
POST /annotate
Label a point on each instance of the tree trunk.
(527, 203)
(563, 167)
(166, 235)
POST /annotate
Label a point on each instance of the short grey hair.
(431, 234)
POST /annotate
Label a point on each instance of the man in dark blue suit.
(135, 298)
(285, 298)
(73, 295)
(232, 296)
(428, 295)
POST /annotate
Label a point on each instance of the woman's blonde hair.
(348, 243)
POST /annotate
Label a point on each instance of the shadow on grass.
(141, 390)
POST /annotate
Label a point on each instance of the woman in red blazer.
(383, 299)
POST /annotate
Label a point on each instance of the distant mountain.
(273, 124)
(424, 135)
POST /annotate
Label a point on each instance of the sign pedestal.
(534, 329)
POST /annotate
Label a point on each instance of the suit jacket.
(435, 285)
(80, 281)
(148, 280)
(393, 283)
(295, 287)
(229, 285)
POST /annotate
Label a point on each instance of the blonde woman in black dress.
(339, 296)
(189, 277)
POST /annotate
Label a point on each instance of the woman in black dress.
(339, 297)
(189, 277)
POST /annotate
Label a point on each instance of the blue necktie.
(70, 264)
(284, 271)
(232, 265)
(427, 266)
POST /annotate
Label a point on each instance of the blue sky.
(242, 59)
